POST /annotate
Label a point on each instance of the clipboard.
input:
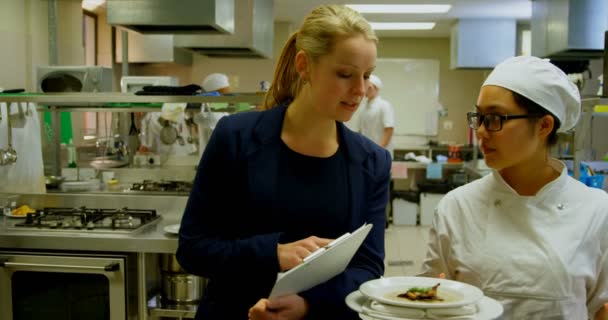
(321, 265)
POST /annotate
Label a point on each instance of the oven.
(67, 285)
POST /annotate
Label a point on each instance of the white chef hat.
(542, 82)
(170, 111)
(375, 81)
(215, 82)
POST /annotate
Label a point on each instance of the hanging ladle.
(10, 155)
(2, 151)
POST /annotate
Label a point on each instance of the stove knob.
(66, 224)
(78, 224)
(90, 225)
(53, 224)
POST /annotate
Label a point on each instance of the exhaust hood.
(173, 17)
(252, 38)
(569, 29)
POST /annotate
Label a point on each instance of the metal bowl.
(53, 182)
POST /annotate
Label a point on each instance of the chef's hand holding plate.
(293, 253)
(289, 307)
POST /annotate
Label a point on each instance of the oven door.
(63, 286)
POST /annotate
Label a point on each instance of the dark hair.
(533, 107)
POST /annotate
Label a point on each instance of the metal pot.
(169, 264)
(53, 182)
(182, 288)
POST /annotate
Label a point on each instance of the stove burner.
(89, 219)
(163, 186)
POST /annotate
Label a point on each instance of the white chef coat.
(376, 115)
(542, 256)
(151, 128)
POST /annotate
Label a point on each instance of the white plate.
(454, 293)
(173, 229)
(488, 308)
(355, 300)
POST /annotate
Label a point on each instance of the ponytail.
(286, 81)
(316, 36)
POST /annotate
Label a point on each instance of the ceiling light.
(91, 5)
(400, 8)
(402, 25)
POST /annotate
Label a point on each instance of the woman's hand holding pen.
(291, 254)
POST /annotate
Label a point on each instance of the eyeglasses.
(493, 122)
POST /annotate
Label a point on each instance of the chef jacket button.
(497, 203)
(560, 206)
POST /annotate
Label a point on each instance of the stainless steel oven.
(44, 285)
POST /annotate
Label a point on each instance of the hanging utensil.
(133, 140)
(168, 133)
(10, 155)
(2, 151)
(18, 119)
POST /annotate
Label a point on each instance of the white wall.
(24, 39)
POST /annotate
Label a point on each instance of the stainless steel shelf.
(101, 99)
(126, 109)
(419, 165)
(158, 308)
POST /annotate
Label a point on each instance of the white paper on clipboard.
(321, 265)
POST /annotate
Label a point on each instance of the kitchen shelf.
(420, 165)
(158, 308)
(120, 103)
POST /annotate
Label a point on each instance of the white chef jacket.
(151, 129)
(542, 256)
(376, 115)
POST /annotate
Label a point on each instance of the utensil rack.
(107, 102)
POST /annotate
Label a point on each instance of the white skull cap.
(376, 81)
(215, 82)
(170, 111)
(542, 82)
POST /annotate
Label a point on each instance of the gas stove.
(162, 186)
(83, 219)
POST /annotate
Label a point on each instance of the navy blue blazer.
(230, 229)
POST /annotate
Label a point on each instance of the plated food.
(422, 294)
(430, 293)
(22, 211)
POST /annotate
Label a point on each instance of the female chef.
(528, 235)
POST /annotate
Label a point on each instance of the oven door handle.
(111, 267)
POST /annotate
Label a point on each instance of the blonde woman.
(273, 186)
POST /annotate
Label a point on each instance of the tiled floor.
(405, 249)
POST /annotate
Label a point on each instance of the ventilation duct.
(569, 29)
(253, 36)
(173, 17)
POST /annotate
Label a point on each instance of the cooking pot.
(53, 182)
(169, 264)
(182, 287)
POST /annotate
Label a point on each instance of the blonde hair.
(317, 37)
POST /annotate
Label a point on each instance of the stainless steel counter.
(150, 239)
